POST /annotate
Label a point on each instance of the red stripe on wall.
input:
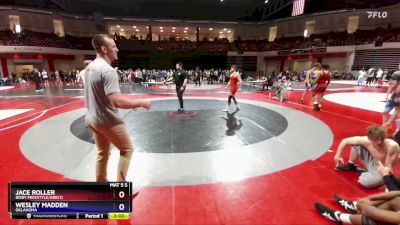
(4, 66)
(51, 63)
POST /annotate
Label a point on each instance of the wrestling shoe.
(328, 213)
(349, 206)
(347, 167)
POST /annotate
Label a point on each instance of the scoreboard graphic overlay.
(74, 200)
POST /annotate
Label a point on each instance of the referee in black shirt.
(180, 77)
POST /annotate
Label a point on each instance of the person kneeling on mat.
(279, 90)
(371, 149)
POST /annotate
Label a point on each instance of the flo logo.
(377, 14)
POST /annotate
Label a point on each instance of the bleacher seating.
(30, 38)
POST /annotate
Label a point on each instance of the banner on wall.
(302, 51)
(19, 61)
(27, 49)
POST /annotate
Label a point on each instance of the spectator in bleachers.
(197, 77)
(1, 80)
(37, 79)
(379, 77)
(45, 77)
(139, 76)
(361, 76)
(370, 76)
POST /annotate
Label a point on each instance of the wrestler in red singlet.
(322, 82)
(234, 83)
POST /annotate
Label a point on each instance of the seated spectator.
(370, 149)
(372, 210)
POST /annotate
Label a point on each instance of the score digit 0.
(121, 194)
